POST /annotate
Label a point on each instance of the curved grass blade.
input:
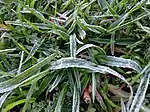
(61, 99)
(81, 63)
(3, 98)
(121, 62)
(85, 47)
(16, 81)
(12, 105)
(94, 28)
(140, 94)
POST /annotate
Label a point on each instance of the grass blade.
(7, 50)
(3, 98)
(81, 63)
(29, 95)
(44, 84)
(93, 87)
(20, 64)
(140, 94)
(12, 105)
(55, 83)
(73, 45)
(16, 81)
(76, 100)
(41, 17)
(146, 29)
(37, 44)
(85, 47)
(123, 108)
(61, 99)
(84, 82)
(121, 62)
(111, 10)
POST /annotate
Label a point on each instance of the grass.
(74, 56)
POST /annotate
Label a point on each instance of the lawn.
(74, 55)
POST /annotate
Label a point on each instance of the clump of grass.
(71, 56)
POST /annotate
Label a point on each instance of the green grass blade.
(81, 63)
(20, 64)
(76, 100)
(111, 10)
(121, 62)
(140, 94)
(3, 98)
(16, 81)
(93, 87)
(84, 82)
(41, 17)
(85, 47)
(144, 28)
(29, 95)
(5, 61)
(112, 43)
(61, 99)
(77, 80)
(73, 45)
(55, 83)
(118, 22)
(44, 84)
(41, 26)
(12, 105)
(94, 28)
(34, 49)
(117, 27)
(109, 101)
(35, 77)
(21, 47)
(33, 26)
(7, 50)
(101, 101)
